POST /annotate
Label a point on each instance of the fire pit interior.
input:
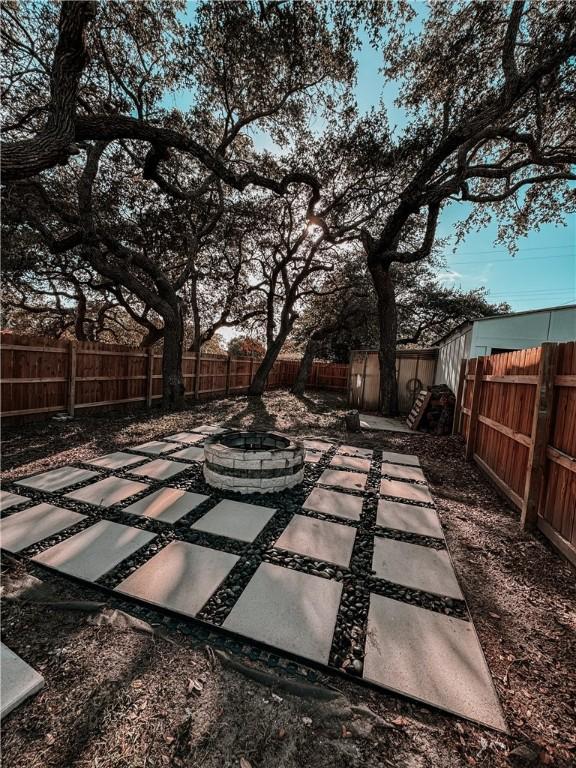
(253, 462)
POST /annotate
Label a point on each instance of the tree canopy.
(170, 211)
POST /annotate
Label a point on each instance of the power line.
(513, 259)
(522, 250)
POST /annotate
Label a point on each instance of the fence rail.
(43, 376)
(517, 413)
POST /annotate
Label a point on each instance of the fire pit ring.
(253, 462)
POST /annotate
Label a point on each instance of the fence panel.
(41, 375)
(518, 417)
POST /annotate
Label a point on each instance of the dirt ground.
(118, 697)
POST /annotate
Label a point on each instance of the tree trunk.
(172, 381)
(387, 324)
(305, 367)
(258, 384)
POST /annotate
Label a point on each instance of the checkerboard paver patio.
(56, 479)
(329, 502)
(291, 599)
(318, 539)
(408, 517)
(341, 461)
(29, 526)
(116, 460)
(159, 469)
(289, 610)
(404, 490)
(433, 658)
(105, 493)
(8, 500)
(95, 550)
(182, 577)
(235, 520)
(166, 504)
(413, 565)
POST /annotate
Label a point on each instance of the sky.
(543, 271)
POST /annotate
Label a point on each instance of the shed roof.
(469, 323)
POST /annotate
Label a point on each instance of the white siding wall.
(522, 331)
(453, 351)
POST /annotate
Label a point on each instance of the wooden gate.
(517, 413)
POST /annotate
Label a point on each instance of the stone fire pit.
(253, 462)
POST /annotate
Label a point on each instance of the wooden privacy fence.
(42, 375)
(415, 370)
(517, 413)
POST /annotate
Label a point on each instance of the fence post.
(228, 369)
(149, 377)
(361, 403)
(251, 370)
(540, 434)
(71, 377)
(474, 408)
(349, 380)
(197, 364)
(459, 396)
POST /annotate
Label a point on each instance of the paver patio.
(235, 520)
(318, 539)
(22, 529)
(417, 651)
(8, 500)
(116, 460)
(160, 469)
(18, 680)
(334, 503)
(107, 492)
(412, 565)
(403, 490)
(292, 611)
(56, 479)
(95, 550)
(182, 577)
(167, 504)
(352, 480)
(407, 517)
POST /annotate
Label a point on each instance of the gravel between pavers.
(521, 595)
